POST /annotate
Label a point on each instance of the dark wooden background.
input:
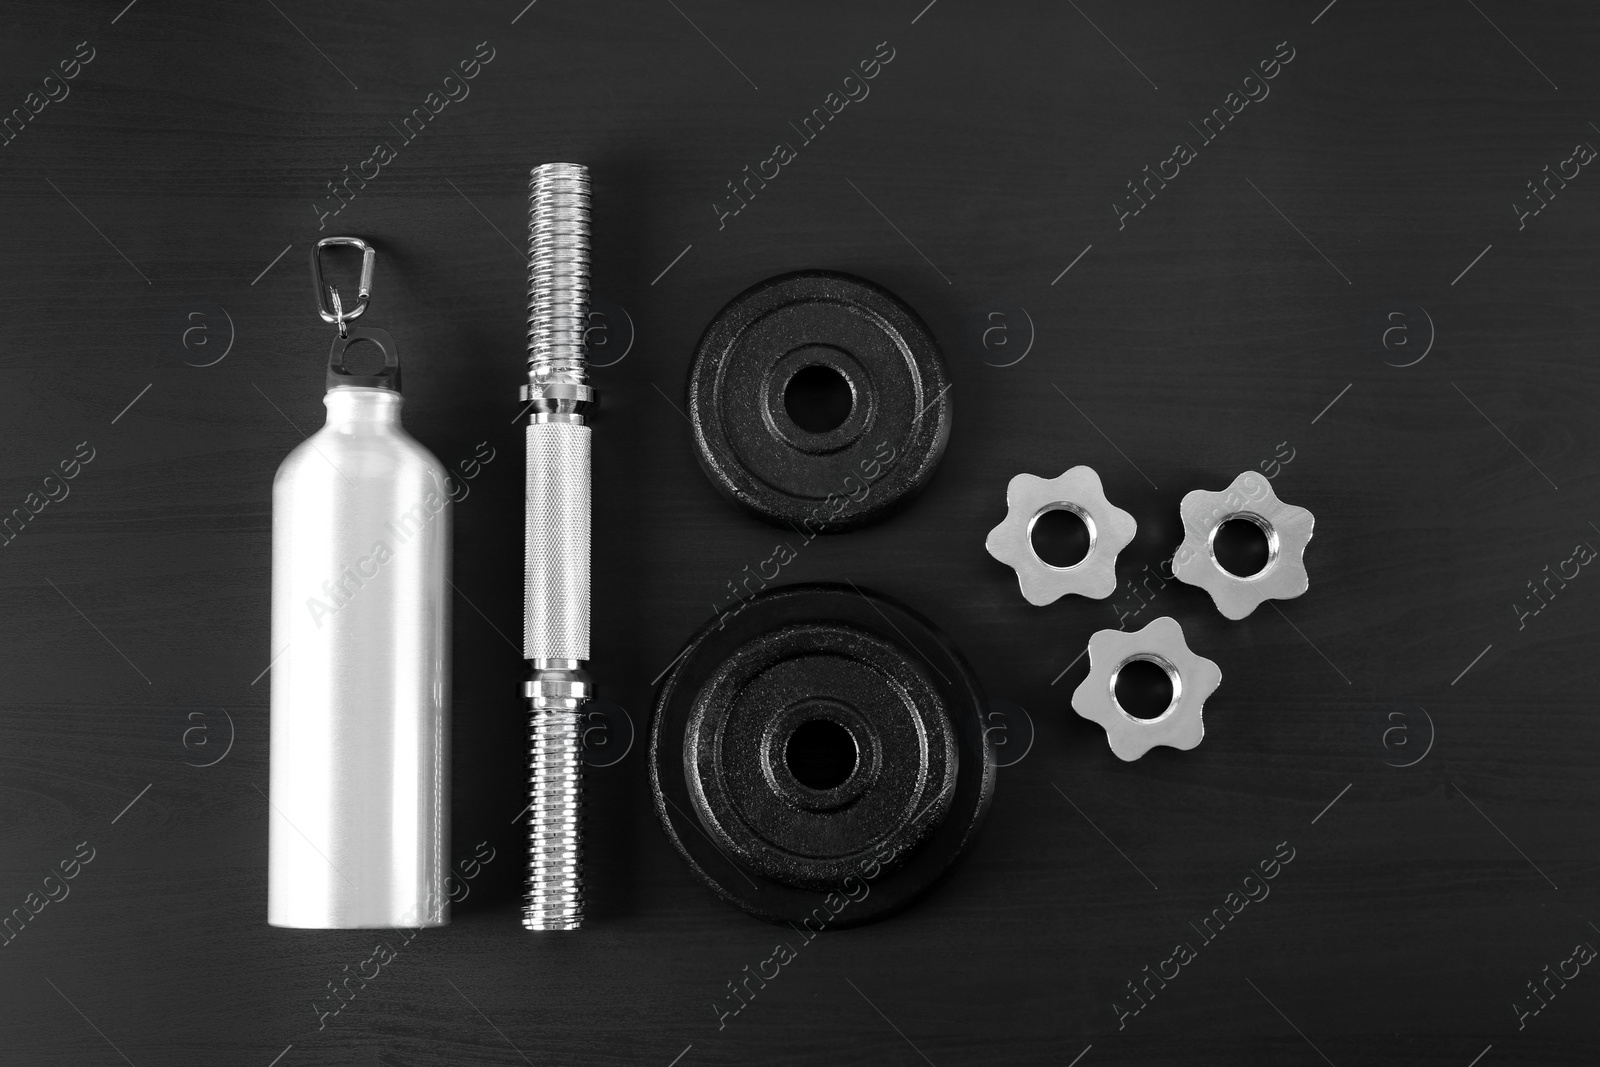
(1209, 335)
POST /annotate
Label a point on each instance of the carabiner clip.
(336, 314)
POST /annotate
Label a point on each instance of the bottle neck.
(361, 409)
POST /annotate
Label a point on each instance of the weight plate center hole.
(1244, 545)
(821, 754)
(818, 399)
(1061, 536)
(1146, 687)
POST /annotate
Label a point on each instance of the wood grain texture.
(1213, 328)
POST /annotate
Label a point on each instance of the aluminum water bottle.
(360, 793)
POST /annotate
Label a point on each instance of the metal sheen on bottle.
(359, 809)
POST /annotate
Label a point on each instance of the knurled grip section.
(556, 567)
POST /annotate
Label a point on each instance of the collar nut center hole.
(1061, 535)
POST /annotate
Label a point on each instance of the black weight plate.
(827, 480)
(893, 721)
(838, 856)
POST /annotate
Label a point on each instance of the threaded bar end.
(558, 273)
(554, 898)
